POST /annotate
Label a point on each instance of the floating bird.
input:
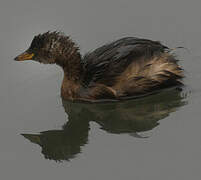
(123, 69)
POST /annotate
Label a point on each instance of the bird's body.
(122, 69)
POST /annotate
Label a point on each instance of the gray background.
(30, 99)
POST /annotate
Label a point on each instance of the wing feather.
(106, 63)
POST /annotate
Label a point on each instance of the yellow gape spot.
(25, 56)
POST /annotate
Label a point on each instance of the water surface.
(42, 137)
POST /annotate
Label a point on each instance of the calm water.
(42, 137)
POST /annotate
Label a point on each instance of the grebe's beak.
(24, 56)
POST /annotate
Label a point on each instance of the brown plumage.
(122, 69)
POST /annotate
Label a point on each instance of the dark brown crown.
(53, 47)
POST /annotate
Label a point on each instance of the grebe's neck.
(67, 56)
(70, 87)
(72, 67)
(72, 79)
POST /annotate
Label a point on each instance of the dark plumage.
(122, 69)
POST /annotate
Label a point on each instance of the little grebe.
(122, 69)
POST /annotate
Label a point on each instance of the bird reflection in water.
(131, 116)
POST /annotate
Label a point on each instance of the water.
(43, 137)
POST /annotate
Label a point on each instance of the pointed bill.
(24, 56)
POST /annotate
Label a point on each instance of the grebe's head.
(47, 48)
